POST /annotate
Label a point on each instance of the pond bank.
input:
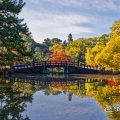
(63, 76)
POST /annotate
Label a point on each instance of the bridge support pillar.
(66, 70)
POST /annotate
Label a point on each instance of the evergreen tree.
(65, 42)
(70, 39)
(11, 30)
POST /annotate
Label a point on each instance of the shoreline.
(77, 76)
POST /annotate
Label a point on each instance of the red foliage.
(59, 56)
(113, 83)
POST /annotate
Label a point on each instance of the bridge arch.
(69, 67)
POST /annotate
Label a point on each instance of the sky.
(58, 18)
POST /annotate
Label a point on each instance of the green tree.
(64, 42)
(11, 30)
(29, 46)
(15, 101)
(70, 39)
(38, 55)
(50, 42)
(55, 41)
(47, 44)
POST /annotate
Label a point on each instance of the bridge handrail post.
(96, 67)
(84, 65)
(78, 63)
(90, 67)
(33, 63)
(87, 66)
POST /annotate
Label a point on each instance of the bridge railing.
(56, 64)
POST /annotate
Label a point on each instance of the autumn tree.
(58, 53)
(77, 48)
(92, 52)
(110, 55)
(106, 52)
(59, 56)
(73, 49)
(38, 55)
(57, 48)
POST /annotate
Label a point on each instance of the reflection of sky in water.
(58, 107)
(59, 98)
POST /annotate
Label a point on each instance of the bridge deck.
(76, 66)
(54, 64)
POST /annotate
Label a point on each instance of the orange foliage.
(113, 82)
(59, 56)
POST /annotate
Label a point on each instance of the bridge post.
(78, 63)
(33, 62)
(84, 66)
(90, 67)
(67, 66)
(44, 64)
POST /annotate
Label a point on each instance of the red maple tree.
(59, 56)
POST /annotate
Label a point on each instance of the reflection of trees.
(13, 102)
(14, 96)
(52, 90)
(104, 94)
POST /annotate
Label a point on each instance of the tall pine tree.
(70, 39)
(11, 31)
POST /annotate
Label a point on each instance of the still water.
(59, 97)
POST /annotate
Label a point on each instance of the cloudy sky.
(58, 18)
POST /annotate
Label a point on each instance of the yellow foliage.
(110, 55)
(57, 48)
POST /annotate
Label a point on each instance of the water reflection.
(17, 92)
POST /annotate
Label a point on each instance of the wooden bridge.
(68, 66)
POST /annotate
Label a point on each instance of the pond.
(59, 97)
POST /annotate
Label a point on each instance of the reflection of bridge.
(69, 67)
(47, 81)
(76, 86)
(47, 84)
